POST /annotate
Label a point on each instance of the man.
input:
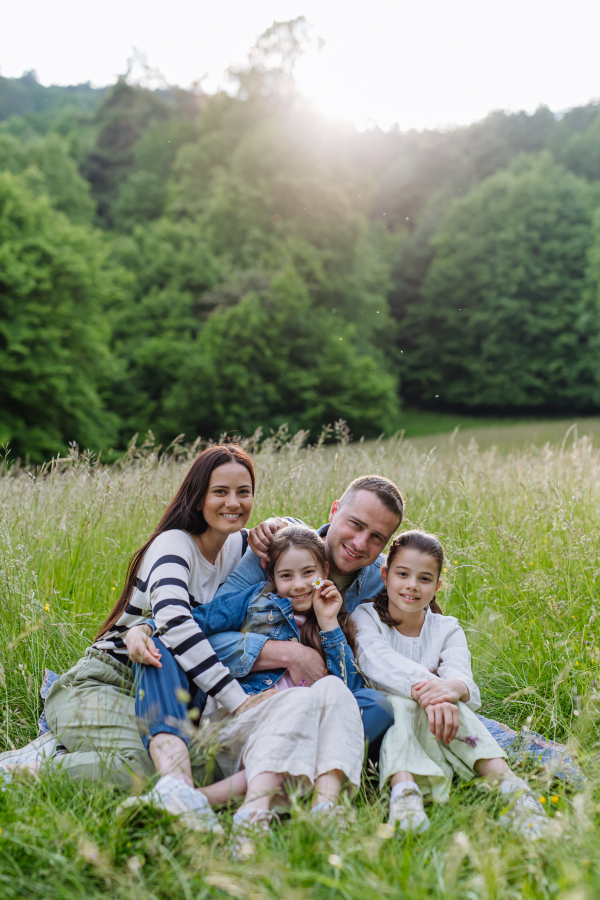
(360, 525)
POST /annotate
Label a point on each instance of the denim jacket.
(267, 617)
(240, 651)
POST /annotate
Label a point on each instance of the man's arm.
(245, 653)
(260, 537)
(250, 569)
(303, 663)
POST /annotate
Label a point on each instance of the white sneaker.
(248, 824)
(526, 817)
(179, 799)
(37, 751)
(407, 812)
(341, 815)
(5, 778)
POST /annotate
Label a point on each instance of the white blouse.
(395, 663)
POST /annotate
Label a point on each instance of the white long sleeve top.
(395, 663)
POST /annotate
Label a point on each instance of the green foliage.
(505, 320)
(121, 120)
(25, 95)
(156, 319)
(582, 151)
(275, 358)
(60, 179)
(54, 360)
(439, 257)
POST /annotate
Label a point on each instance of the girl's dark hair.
(308, 539)
(413, 540)
(181, 513)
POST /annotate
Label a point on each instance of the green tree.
(280, 193)
(52, 172)
(121, 120)
(157, 317)
(54, 357)
(582, 151)
(504, 320)
(274, 358)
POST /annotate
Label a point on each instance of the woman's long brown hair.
(300, 536)
(181, 513)
(414, 540)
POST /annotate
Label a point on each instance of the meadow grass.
(520, 527)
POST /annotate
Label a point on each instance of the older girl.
(421, 660)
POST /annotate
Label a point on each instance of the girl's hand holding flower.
(326, 603)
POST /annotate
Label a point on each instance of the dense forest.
(177, 262)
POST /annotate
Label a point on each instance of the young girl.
(421, 660)
(312, 736)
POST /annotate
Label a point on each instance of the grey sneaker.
(39, 750)
(248, 824)
(408, 814)
(5, 778)
(526, 816)
(179, 799)
(341, 815)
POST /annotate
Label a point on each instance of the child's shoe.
(179, 799)
(38, 751)
(248, 824)
(526, 816)
(329, 812)
(407, 812)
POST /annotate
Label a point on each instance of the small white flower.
(317, 583)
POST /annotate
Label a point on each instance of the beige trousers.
(409, 746)
(299, 732)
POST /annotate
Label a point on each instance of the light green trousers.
(91, 709)
(409, 746)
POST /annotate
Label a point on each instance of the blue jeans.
(159, 709)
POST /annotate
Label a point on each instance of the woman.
(195, 546)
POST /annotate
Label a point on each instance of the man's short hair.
(384, 489)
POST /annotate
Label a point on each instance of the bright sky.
(420, 63)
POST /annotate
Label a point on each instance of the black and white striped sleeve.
(168, 587)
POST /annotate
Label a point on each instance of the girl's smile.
(295, 571)
(411, 583)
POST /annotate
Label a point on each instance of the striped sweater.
(173, 579)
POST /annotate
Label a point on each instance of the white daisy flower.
(317, 583)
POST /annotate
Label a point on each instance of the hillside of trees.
(177, 262)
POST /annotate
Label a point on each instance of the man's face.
(359, 530)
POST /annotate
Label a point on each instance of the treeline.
(182, 263)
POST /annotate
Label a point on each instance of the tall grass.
(521, 531)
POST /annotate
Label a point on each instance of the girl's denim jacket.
(257, 611)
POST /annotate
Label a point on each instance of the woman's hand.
(141, 647)
(440, 690)
(255, 700)
(443, 721)
(326, 604)
(260, 537)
